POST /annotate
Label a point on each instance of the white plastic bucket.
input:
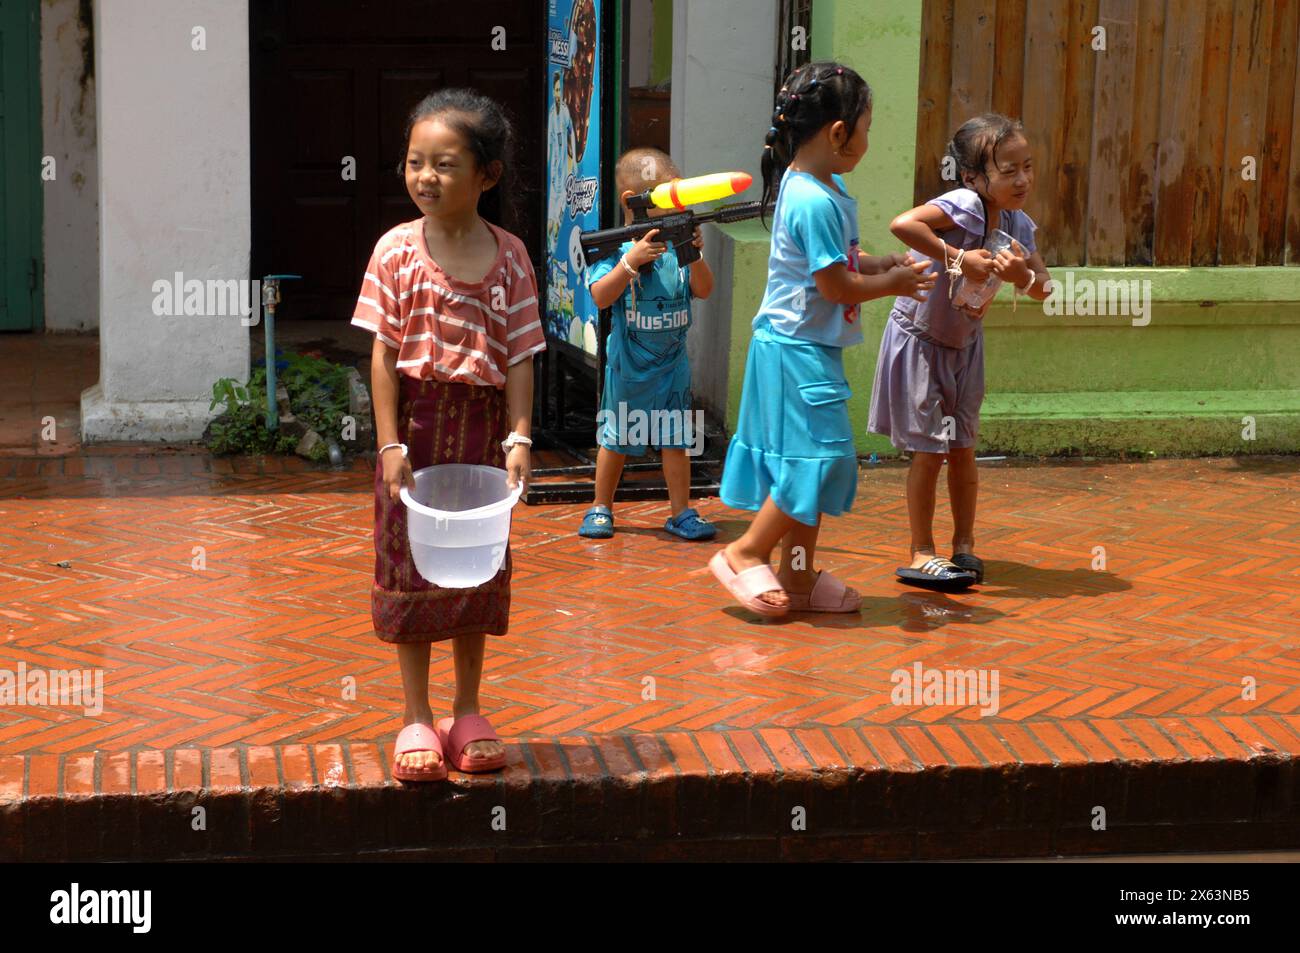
(458, 522)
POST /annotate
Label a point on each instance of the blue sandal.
(688, 524)
(597, 523)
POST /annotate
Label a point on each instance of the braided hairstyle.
(490, 135)
(975, 144)
(813, 96)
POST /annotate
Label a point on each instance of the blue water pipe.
(270, 298)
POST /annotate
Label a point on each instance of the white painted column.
(723, 62)
(174, 197)
(724, 58)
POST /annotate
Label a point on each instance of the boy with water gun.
(647, 392)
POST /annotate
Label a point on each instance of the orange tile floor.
(32, 397)
(626, 661)
(1148, 656)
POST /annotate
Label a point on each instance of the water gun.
(680, 193)
(677, 229)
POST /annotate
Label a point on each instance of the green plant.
(318, 396)
(241, 427)
(318, 392)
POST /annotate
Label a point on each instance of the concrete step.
(709, 796)
(1163, 422)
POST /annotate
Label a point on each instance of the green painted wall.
(750, 244)
(1222, 344)
(856, 32)
(661, 49)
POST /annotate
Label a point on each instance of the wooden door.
(336, 78)
(20, 167)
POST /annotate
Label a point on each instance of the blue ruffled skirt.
(793, 439)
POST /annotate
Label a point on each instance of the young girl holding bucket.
(452, 302)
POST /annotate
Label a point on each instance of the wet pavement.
(225, 602)
(1139, 621)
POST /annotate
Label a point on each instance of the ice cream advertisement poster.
(573, 166)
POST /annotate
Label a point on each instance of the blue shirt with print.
(646, 367)
(649, 320)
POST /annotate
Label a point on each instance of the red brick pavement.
(636, 700)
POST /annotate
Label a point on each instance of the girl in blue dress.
(792, 457)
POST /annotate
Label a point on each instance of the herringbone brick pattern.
(252, 657)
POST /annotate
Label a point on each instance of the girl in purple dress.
(930, 374)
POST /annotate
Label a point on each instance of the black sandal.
(971, 563)
(938, 573)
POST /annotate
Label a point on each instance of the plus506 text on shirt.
(935, 319)
(813, 227)
(663, 296)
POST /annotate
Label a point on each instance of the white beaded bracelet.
(513, 439)
(390, 446)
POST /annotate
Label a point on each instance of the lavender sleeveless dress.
(931, 362)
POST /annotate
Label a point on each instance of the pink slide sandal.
(418, 737)
(456, 733)
(746, 587)
(828, 594)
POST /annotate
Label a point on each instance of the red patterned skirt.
(439, 423)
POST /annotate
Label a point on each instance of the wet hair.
(813, 96)
(490, 135)
(975, 144)
(628, 169)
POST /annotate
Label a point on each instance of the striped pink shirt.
(444, 328)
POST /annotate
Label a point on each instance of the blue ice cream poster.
(573, 166)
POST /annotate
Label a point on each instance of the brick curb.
(630, 797)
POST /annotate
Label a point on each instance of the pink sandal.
(828, 594)
(746, 587)
(457, 733)
(418, 737)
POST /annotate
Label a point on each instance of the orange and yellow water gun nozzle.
(679, 193)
